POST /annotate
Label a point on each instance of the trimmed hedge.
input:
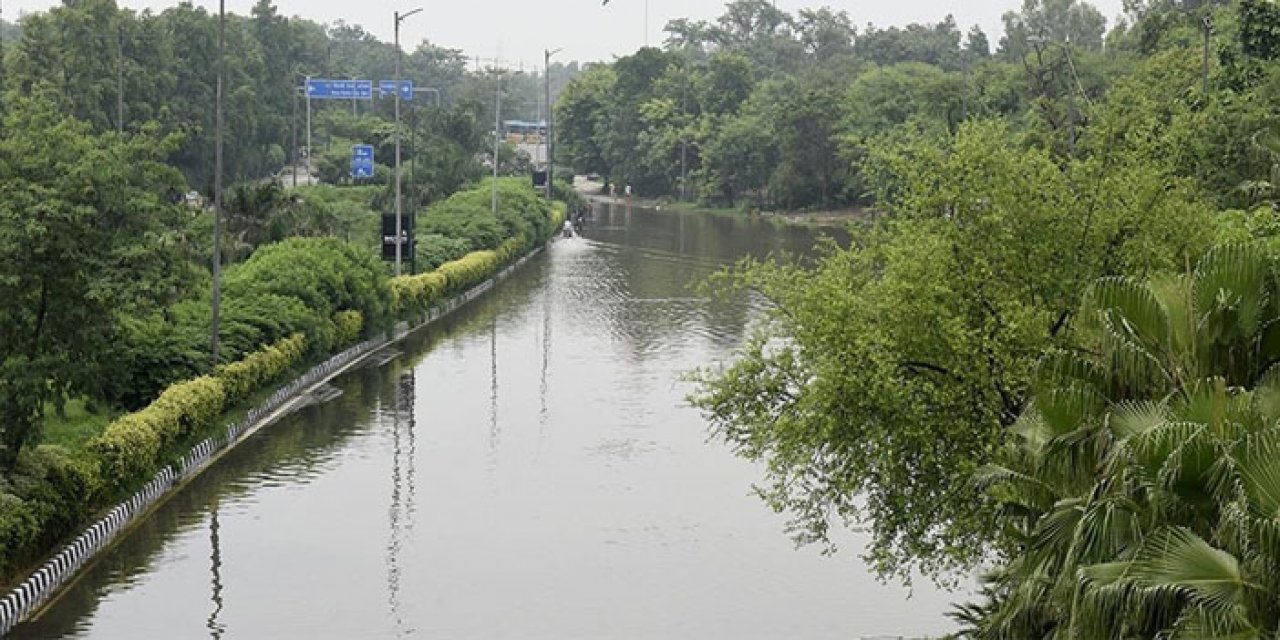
(349, 325)
(243, 377)
(415, 294)
(470, 269)
(133, 445)
(130, 446)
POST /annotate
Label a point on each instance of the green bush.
(433, 250)
(19, 529)
(471, 269)
(130, 446)
(325, 275)
(415, 294)
(468, 215)
(246, 375)
(349, 324)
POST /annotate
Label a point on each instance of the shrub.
(511, 249)
(244, 376)
(19, 529)
(349, 325)
(130, 446)
(324, 275)
(434, 249)
(468, 270)
(416, 293)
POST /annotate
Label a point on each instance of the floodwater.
(528, 468)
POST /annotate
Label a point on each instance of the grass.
(76, 426)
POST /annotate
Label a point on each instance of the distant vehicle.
(593, 177)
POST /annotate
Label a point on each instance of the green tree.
(888, 371)
(1072, 22)
(83, 225)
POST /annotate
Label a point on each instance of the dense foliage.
(85, 238)
(1002, 185)
(773, 110)
(1140, 492)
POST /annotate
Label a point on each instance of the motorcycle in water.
(568, 229)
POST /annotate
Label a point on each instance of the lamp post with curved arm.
(399, 17)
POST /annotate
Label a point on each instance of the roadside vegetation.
(106, 371)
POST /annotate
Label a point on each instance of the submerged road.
(526, 469)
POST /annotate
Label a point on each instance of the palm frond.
(1131, 418)
(1177, 560)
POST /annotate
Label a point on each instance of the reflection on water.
(527, 469)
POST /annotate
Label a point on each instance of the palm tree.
(1140, 496)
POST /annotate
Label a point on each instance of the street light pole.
(497, 134)
(306, 88)
(217, 184)
(120, 79)
(399, 205)
(551, 143)
(293, 134)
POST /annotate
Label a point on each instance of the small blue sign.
(387, 87)
(362, 161)
(321, 89)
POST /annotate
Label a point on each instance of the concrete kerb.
(38, 588)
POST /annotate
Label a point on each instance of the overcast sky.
(520, 29)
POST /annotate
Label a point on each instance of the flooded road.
(526, 469)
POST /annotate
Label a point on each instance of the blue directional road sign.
(362, 161)
(387, 87)
(321, 89)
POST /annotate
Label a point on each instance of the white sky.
(520, 30)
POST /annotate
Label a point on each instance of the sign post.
(389, 237)
(362, 161)
(387, 89)
(322, 89)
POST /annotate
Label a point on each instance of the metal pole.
(497, 133)
(546, 70)
(119, 79)
(413, 180)
(399, 222)
(542, 141)
(551, 118)
(399, 205)
(217, 185)
(307, 89)
(293, 132)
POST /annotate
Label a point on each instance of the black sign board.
(389, 237)
(539, 179)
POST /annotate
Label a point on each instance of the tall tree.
(83, 222)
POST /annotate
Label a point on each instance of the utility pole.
(217, 183)
(399, 205)
(551, 144)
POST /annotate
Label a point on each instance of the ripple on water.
(623, 449)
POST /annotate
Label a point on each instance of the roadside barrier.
(45, 581)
